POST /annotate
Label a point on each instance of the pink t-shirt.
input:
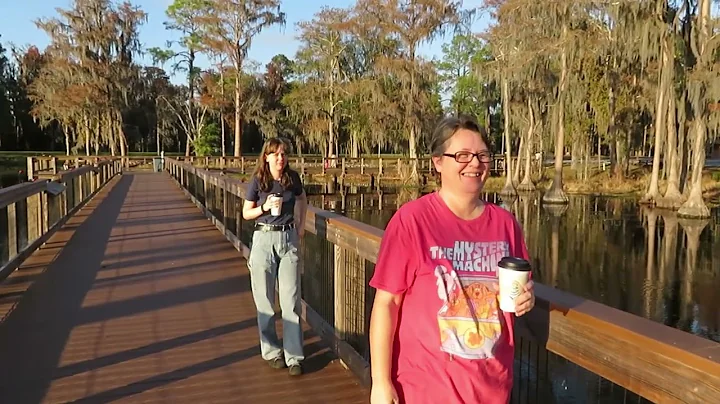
(453, 344)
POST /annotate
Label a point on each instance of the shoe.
(277, 363)
(295, 370)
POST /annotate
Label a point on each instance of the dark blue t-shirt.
(287, 212)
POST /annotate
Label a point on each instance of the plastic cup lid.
(514, 263)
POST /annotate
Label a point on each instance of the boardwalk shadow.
(317, 356)
(33, 337)
(129, 279)
(170, 377)
(162, 256)
(165, 345)
(160, 300)
(317, 352)
(162, 233)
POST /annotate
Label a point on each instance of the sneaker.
(295, 370)
(277, 363)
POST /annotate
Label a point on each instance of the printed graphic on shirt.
(468, 318)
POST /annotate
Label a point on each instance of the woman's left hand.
(526, 301)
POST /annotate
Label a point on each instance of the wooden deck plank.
(138, 298)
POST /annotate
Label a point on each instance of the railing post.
(237, 209)
(205, 188)
(97, 180)
(44, 213)
(362, 165)
(81, 188)
(30, 168)
(63, 200)
(225, 205)
(12, 234)
(34, 216)
(339, 275)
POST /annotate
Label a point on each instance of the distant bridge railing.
(369, 166)
(389, 167)
(49, 166)
(31, 212)
(376, 166)
(566, 348)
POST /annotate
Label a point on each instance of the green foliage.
(716, 176)
(6, 83)
(208, 143)
(459, 79)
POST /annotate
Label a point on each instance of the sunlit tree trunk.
(237, 152)
(509, 188)
(695, 205)
(556, 194)
(672, 199)
(653, 192)
(527, 185)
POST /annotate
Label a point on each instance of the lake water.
(10, 178)
(12, 171)
(610, 250)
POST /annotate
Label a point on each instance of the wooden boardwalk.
(140, 299)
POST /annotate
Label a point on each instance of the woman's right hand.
(269, 204)
(383, 393)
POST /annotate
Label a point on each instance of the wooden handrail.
(17, 192)
(660, 363)
(44, 212)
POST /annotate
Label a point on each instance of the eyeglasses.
(466, 156)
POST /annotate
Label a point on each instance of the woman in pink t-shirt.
(437, 334)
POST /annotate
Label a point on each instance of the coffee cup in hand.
(276, 201)
(513, 275)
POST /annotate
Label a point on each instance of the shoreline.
(601, 184)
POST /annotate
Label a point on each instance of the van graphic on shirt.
(468, 318)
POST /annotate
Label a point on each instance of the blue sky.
(17, 26)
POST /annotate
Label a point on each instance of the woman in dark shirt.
(274, 252)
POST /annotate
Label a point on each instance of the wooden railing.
(48, 167)
(365, 166)
(391, 167)
(566, 346)
(32, 211)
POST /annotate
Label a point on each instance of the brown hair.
(446, 129)
(262, 170)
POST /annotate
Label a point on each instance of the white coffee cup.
(275, 211)
(513, 275)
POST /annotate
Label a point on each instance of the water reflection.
(644, 261)
(11, 177)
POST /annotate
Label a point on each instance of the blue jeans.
(274, 260)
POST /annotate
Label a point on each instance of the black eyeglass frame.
(489, 154)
